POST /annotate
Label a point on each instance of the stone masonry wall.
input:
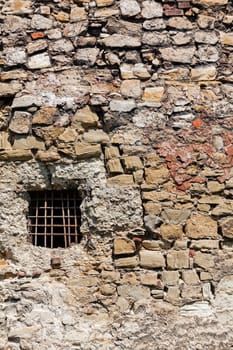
(131, 103)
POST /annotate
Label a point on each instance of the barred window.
(54, 218)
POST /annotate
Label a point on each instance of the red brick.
(184, 5)
(37, 35)
(174, 12)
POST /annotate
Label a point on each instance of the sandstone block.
(226, 225)
(178, 259)
(175, 216)
(132, 163)
(156, 176)
(151, 259)
(215, 186)
(121, 41)
(44, 116)
(126, 262)
(114, 166)
(95, 136)
(173, 295)
(204, 37)
(133, 292)
(87, 151)
(14, 155)
(9, 89)
(170, 278)
(190, 277)
(149, 279)
(4, 140)
(203, 73)
(20, 123)
(78, 14)
(131, 88)
(223, 209)
(26, 143)
(155, 39)
(226, 38)
(211, 2)
(107, 289)
(121, 180)
(180, 23)
(171, 231)
(39, 22)
(47, 156)
(204, 260)
(179, 55)
(158, 196)
(191, 293)
(153, 94)
(86, 117)
(103, 3)
(69, 135)
(87, 56)
(153, 244)
(201, 226)
(111, 152)
(110, 276)
(123, 246)
(17, 7)
(205, 244)
(152, 208)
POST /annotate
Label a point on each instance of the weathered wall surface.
(130, 102)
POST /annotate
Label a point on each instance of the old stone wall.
(131, 103)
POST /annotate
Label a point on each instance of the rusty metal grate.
(54, 218)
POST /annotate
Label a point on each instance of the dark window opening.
(54, 218)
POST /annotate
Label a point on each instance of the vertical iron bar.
(52, 200)
(68, 217)
(45, 219)
(36, 223)
(75, 221)
(64, 220)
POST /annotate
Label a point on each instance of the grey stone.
(122, 106)
(42, 60)
(151, 9)
(129, 8)
(20, 123)
(39, 22)
(119, 40)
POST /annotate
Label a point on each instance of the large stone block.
(201, 226)
(171, 231)
(151, 259)
(204, 260)
(178, 259)
(123, 246)
(156, 176)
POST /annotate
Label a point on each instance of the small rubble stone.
(87, 151)
(122, 106)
